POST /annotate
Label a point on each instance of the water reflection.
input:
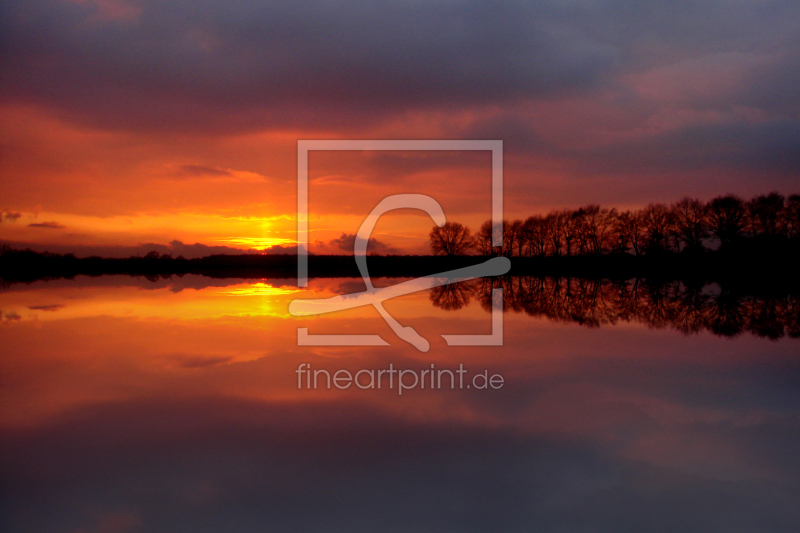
(131, 406)
(593, 303)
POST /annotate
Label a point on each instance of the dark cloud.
(346, 243)
(177, 248)
(396, 167)
(255, 63)
(49, 225)
(9, 316)
(9, 216)
(281, 250)
(518, 134)
(772, 145)
(745, 152)
(52, 307)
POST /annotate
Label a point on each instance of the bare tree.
(620, 240)
(535, 235)
(685, 225)
(570, 223)
(509, 239)
(691, 226)
(595, 228)
(657, 219)
(484, 239)
(629, 231)
(514, 238)
(526, 238)
(765, 214)
(727, 217)
(554, 229)
(451, 239)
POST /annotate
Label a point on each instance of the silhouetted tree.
(576, 233)
(570, 222)
(536, 236)
(515, 237)
(658, 225)
(765, 215)
(554, 225)
(727, 217)
(484, 239)
(451, 239)
(629, 232)
(595, 228)
(690, 225)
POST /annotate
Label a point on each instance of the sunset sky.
(133, 125)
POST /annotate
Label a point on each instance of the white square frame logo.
(305, 146)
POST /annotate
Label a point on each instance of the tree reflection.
(688, 308)
(453, 296)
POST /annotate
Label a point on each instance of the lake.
(178, 405)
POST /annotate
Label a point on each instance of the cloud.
(175, 248)
(200, 361)
(10, 216)
(346, 243)
(596, 101)
(203, 171)
(256, 63)
(49, 225)
(9, 316)
(281, 250)
(51, 307)
(346, 66)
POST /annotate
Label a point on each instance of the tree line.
(688, 225)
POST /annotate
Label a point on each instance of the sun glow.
(259, 289)
(256, 242)
(73, 301)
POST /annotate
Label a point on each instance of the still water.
(130, 405)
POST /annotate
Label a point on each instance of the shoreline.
(746, 266)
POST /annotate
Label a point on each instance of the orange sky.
(126, 126)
